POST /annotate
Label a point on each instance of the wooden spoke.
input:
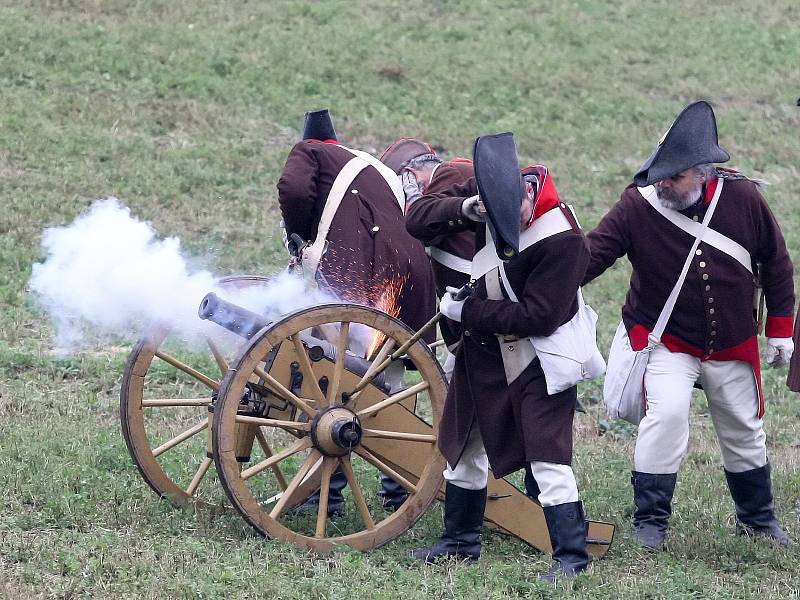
(394, 399)
(198, 477)
(328, 466)
(176, 402)
(262, 441)
(378, 363)
(284, 393)
(312, 459)
(291, 425)
(308, 371)
(221, 362)
(188, 370)
(396, 354)
(384, 468)
(399, 435)
(338, 368)
(298, 446)
(181, 438)
(358, 495)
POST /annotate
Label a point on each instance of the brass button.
(713, 323)
(698, 252)
(708, 287)
(354, 191)
(376, 229)
(695, 218)
(711, 311)
(702, 264)
(705, 276)
(713, 333)
(711, 301)
(466, 333)
(451, 223)
(460, 222)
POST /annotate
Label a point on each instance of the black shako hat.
(500, 188)
(691, 141)
(318, 125)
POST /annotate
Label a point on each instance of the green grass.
(186, 110)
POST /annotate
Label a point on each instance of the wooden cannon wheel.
(164, 407)
(334, 417)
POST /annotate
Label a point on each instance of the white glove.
(410, 187)
(449, 306)
(470, 209)
(779, 351)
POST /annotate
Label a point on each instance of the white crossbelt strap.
(711, 237)
(388, 175)
(549, 224)
(517, 353)
(451, 261)
(313, 253)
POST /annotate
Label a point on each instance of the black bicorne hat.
(691, 141)
(500, 187)
(318, 125)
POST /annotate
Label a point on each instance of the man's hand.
(779, 351)
(470, 208)
(410, 187)
(449, 306)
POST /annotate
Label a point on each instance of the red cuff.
(779, 327)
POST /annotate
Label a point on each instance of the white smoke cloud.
(107, 275)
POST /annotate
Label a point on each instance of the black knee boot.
(463, 517)
(567, 527)
(652, 495)
(752, 494)
(392, 494)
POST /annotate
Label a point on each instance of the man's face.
(682, 190)
(423, 177)
(526, 207)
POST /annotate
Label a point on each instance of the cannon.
(305, 395)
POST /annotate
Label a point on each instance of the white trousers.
(556, 482)
(732, 393)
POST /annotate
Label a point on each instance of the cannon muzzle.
(238, 320)
(246, 324)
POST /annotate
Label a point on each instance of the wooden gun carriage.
(293, 400)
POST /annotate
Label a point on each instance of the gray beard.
(674, 201)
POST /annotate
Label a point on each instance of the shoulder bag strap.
(666, 312)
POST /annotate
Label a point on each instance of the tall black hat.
(500, 188)
(318, 125)
(691, 141)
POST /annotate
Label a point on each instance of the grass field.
(186, 111)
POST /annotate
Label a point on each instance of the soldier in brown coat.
(710, 337)
(348, 208)
(488, 421)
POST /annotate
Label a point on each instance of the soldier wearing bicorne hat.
(423, 172)
(503, 408)
(710, 337)
(343, 213)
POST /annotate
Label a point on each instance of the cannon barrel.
(246, 324)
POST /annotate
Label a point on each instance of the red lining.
(747, 351)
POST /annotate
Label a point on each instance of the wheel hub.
(336, 431)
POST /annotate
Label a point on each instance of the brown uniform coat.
(519, 423)
(461, 244)
(368, 245)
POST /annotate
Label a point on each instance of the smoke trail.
(107, 275)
